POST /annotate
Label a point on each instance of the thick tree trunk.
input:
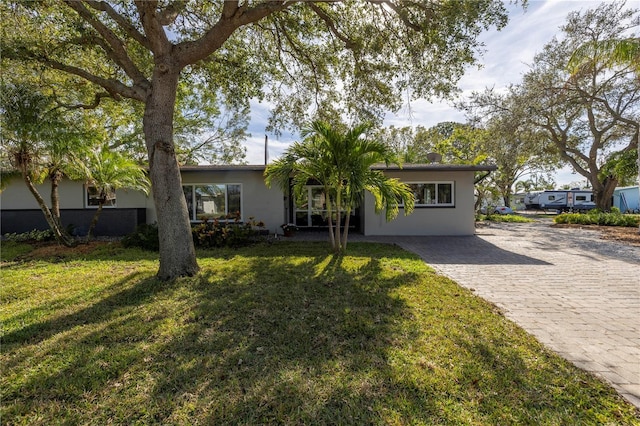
(603, 193)
(506, 199)
(177, 252)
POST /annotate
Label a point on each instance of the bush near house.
(145, 237)
(597, 217)
(34, 235)
(231, 232)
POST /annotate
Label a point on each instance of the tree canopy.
(308, 58)
(586, 117)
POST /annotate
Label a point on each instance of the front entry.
(310, 211)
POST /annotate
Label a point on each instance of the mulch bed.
(627, 235)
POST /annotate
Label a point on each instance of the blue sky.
(506, 58)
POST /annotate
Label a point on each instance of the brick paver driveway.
(578, 294)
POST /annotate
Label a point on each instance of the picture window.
(213, 201)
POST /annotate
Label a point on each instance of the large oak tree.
(323, 58)
(591, 115)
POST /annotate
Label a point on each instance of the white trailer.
(567, 200)
(532, 201)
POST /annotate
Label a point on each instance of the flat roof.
(407, 166)
(438, 167)
(224, 167)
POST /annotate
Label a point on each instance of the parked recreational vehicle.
(567, 200)
(517, 201)
(532, 201)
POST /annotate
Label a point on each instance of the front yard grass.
(272, 334)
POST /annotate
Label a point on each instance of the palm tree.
(342, 163)
(107, 170)
(612, 52)
(40, 144)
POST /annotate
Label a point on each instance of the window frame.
(193, 215)
(436, 205)
(104, 206)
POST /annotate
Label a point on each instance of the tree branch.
(168, 15)
(114, 87)
(403, 16)
(117, 52)
(160, 44)
(331, 25)
(128, 28)
(233, 17)
(96, 102)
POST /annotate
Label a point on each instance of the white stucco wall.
(258, 201)
(72, 196)
(17, 196)
(269, 204)
(458, 220)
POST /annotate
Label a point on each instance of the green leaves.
(109, 170)
(353, 58)
(341, 160)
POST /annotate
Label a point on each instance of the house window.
(93, 197)
(213, 201)
(433, 194)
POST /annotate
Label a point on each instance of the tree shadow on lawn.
(135, 291)
(306, 339)
(549, 390)
(464, 250)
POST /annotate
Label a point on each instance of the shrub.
(208, 234)
(512, 218)
(597, 217)
(145, 237)
(34, 235)
(229, 233)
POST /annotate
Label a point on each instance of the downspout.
(481, 178)
(266, 150)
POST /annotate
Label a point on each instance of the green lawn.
(272, 334)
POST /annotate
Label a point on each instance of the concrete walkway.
(577, 294)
